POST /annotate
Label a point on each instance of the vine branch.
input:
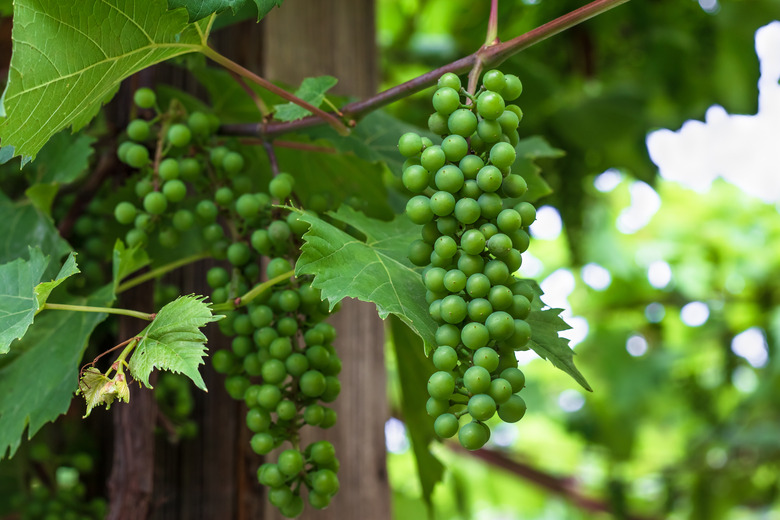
(107, 310)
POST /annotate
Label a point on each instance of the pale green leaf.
(69, 56)
(198, 9)
(264, 7)
(528, 151)
(22, 294)
(63, 160)
(39, 376)
(174, 341)
(24, 225)
(97, 389)
(127, 261)
(42, 196)
(374, 269)
(312, 90)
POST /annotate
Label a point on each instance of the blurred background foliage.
(675, 309)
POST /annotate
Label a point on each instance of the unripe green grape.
(189, 169)
(477, 144)
(233, 162)
(434, 279)
(280, 348)
(474, 335)
(279, 232)
(521, 307)
(513, 260)
(488, 229)
(515, 377)
(489, 179)
(447, 334)
(520, 240)
(481, 407)
(261, 241)
(447, 225)
(470, 166)
(410, 144)
(298, 226)
(441, 385)
(499, 244)
(290, 462)
(502, 155)
(296, 364)
(198, 123)
(437, 124)
(257, 419)
(508, 121)
(325, 481)
(136, 237)
(168, 238)
(217, 154)
(489, 131)
(280, 187)
(500, 297)
(500, 390)
(137, 156)
(179, 135)
(322, 452)
(449, 178)
(286, 410)
(512, 137)
(527, 213)
(224, 196)
(168, 169)
(219, 295)
(453, 309)
(454, 281)
(478, 310)
(478, 285)
(206, 210)
(494, 80)
(521, 334)
(418, 209)
(445, 247)
(243, 325)
(247, 206)
(312, 383)
(332, 389)
(446, 100)
(138, 130)
(445, 358)
(121, 151)
(313, 414)
(125, 212)
(174, 190)
(490, 205)
(238, 253)
(490, 105)
(449, 79)
(274, 371)
(442, 204)
(462, 122)
(318, 357)
(514, 186)
(415, 178)
(433, 158)
(329, 419)
(436, 407)
(455, 148)
(420, 253)
(513, 88)
(476, 380)
(512, 410)
(294, 508)
(287, 326)
(430, 232)
(516, 110)
(509, 221)
(487, 358)
(472, 436)
(269, 475)
(145, 98)
(446, 425)
(213, 233)
(155, 203)
(223, 361)
(470, 264)
(261, 316)
(280, 496)
(467, 211)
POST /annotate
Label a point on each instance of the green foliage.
(174, 341)
(98, 389)
(63, 160)
(23, 293)
(198, 9)
(545, 325)
(373, 268)
(312, 90)
(63, 70)
(27, 225)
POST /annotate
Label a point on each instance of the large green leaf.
(22, 294)
(173, 341)
(63, 160)
(198, 9)
(374, 269)
(414, 369)
(37, 384)
(312, 90)
(528, 151)
(24, 225)
(68, 57)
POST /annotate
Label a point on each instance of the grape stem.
(158, 272)
(489, 56)
(492, 28)
(232, 66)
(107, 310)
(261, 106)
(253, 293)
(269, 150)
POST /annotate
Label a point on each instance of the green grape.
(199, 124)
(125, 213)
(274, 371)
(515, 377)
(502, 155)
(508, 121)
(145, 98)
(410, 144)
(174, 190)
(470, 166)
(481, 407)
(474, 335)
(238, 253)
(499, 244)
(318, 500)
(433, 158)
(179, 135)
(509, 221)
(490, 105)
(318, 357)
(513, 88)
(322, 452)
(213, 233)
(447, 226)
(247, 206)
(207, 210)
(472, 436)
(277, 267)
(329, 419)
(280, 348)
(476, 380)
(289, 301)
(290, 462)
(189, 169)
(243, 325)
(137, 156)
(434, 279)
(296, 364)
(313, 414)
(264, 336)
(217, 155)
(441, 385)
(224, 196)
(494, 80)
(489, 131)
(312, 383)
(520, 240)
(448, 79)
(446, 100)
(233, 162)
(257, 419)
(462, 122)
(269, 475)
(286, 410)
(138, 130)
(455, 281)
(489, 179)
(415, 178)
(521, 334)
(280, 496)
(513, 260)
(496, 271)
(436, 407)
(446, 425)
(418, 209)
(514, 186)
(168, 169)
(521, 307)
(448, 334)
(294, 508)
(445, 358)
(500, 390)
(453, 309)
(430, 232)
(478, 285)
(445, 246)
(442, 204)
(332, 389)
(261, 241)
(420, 253)
(455, 148)
(297, 224)
(500, 297)
(121, 151)
(168, 238)
(449, 178)
(217, 277)
(527, 213)
(512, 410)
(155, 203)
(325, 481)
(490, 205)
(279, 232)
(241, 346)
(281, 186)
(223, 361)
(287, 326)
(437, 123)
(486, 358)
(467, 211)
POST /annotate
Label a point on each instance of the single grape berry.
(174, 190)
(155, 203)
(233, 162)
(410, 144)
(125, 212)
(449, 79)
(199, 124)
(446, 425)
(145, 98)
(490, 105)
(138, 130)
(137, 156)
(179, 135)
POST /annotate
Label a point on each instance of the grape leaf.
(264, 7)
(23, 293)
(414, 369)
(63, 160)
(127, 261)
(173, 341)
(312, 90)
(65, 62)
(98, 389)
(36, 384)
(528, 150)
(42, 196)
(24, 224)
(375, 269)
(198, 9)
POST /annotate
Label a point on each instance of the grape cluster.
(282, 339)
(472, 240)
